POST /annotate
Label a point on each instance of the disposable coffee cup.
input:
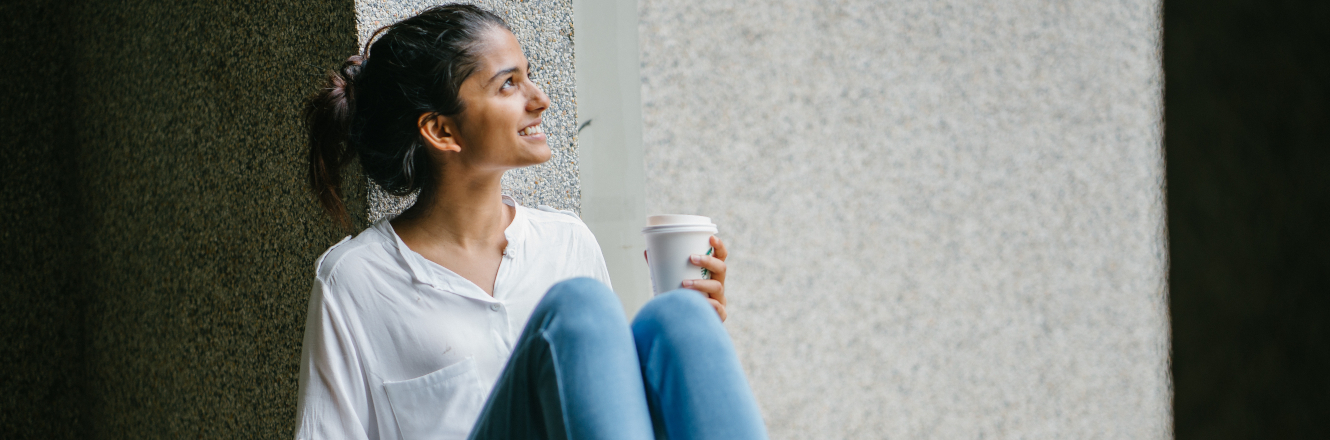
(671, 239)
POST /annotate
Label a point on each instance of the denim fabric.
(695, 385)
(578, 371)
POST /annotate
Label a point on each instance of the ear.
(439, 132)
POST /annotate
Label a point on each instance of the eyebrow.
(501, 73)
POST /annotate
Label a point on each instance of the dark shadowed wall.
(43, 307)
(159, 240)
(1248, 150)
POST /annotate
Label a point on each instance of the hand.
(713, 288)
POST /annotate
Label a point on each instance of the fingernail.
(688, 283)
(695, 258)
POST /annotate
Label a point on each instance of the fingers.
(712, 264)
(720, 252)
(720, 309)
(711, 288)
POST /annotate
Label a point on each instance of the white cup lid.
(677, 219)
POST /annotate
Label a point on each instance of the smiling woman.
(470, 315)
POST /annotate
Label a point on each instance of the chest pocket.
(440, 405)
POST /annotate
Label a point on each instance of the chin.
(543, 156)
(538, 157)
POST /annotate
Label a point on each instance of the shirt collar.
(430, 273)
(517, 231)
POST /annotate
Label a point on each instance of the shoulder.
(561, 236)
(547, 221)
(370, 245)
(545, 217)
(550, 214)
(552, 230)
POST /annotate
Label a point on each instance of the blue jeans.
(579, 372)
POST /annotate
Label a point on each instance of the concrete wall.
(165, 244)
(609, 141)
(945, 217)
(545, 30)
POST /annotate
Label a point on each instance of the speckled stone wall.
(170, 238)
(945, 217)
(545, 30)
(202, 234)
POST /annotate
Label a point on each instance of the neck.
(467, 212)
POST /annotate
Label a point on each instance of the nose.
(539, 101)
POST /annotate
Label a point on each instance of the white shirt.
(398, 347)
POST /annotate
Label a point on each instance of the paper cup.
(671, 239)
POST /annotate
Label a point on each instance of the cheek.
(485, 126)
(500, 121)
(496, 122)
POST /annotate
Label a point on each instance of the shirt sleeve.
(333, 403)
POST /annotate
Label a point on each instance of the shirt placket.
(499, 311)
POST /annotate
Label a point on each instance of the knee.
(582, 302)
(679, 315)
(579, 293)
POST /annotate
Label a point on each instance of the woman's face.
(500, 126)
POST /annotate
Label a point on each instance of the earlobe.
(438, 132)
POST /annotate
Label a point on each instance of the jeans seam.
(558, 384)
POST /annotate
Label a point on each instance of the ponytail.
(328, 115)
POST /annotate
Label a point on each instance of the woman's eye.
(508, 83)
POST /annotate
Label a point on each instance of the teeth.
(535, 129)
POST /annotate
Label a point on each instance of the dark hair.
(370, 107)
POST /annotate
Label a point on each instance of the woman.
(469, 315)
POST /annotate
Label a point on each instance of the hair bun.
(343, 81)
(351, 67)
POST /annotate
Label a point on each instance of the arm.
(333, 403)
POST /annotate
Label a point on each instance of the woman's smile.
(532, 132)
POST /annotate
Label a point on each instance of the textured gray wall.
(545, 30)
(166, 240)
(945, 216)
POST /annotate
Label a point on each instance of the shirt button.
(494, 307)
